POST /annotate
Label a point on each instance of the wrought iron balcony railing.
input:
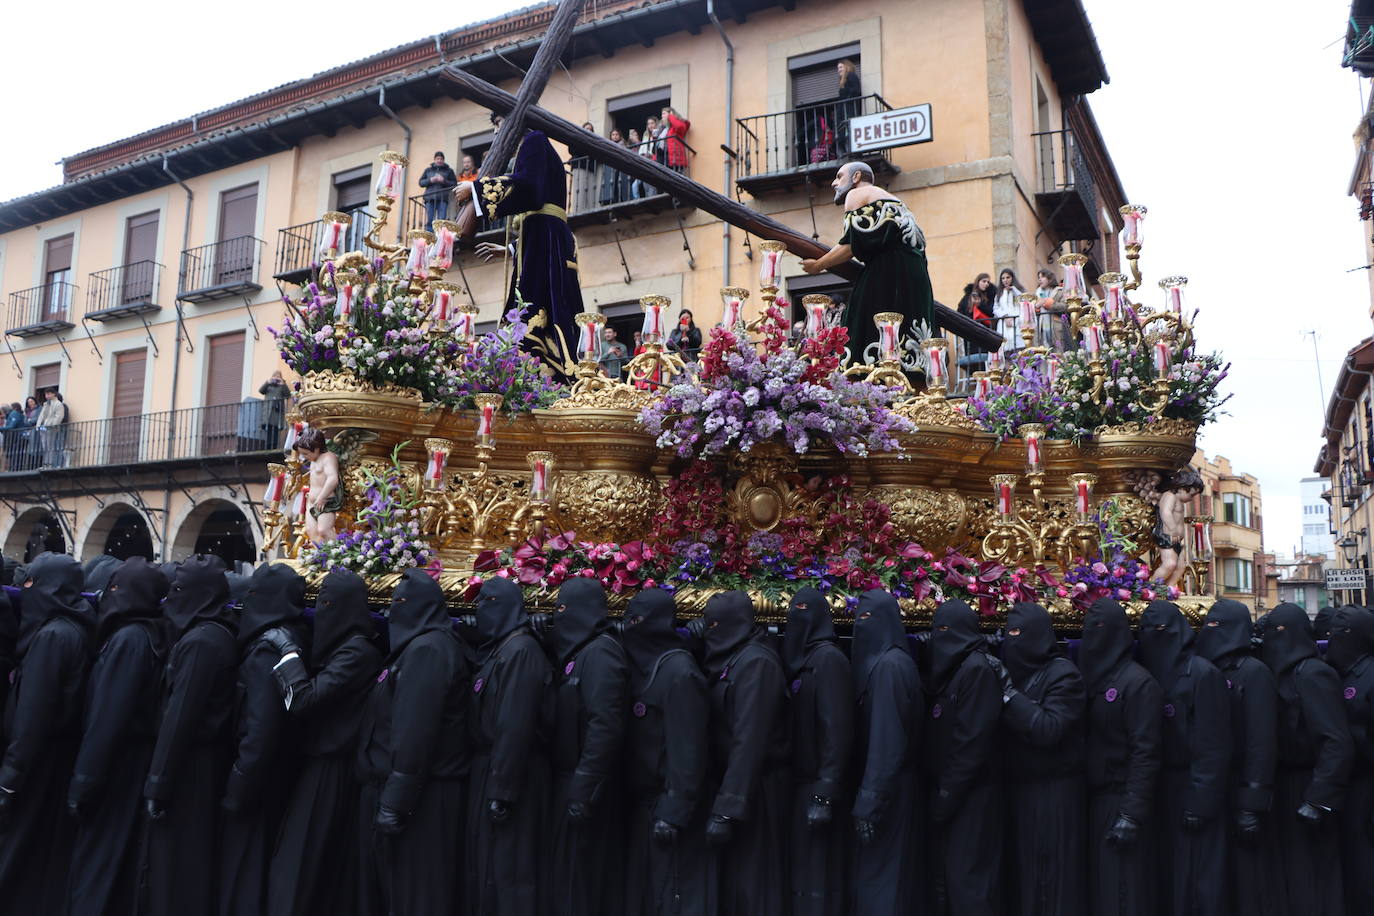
(807, 143)
(1065, 189)
(218, 271)
(124, 291)
(446, 207)
(252, 427)
(41, 309)
(298, 247)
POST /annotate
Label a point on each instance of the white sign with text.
(890, 128)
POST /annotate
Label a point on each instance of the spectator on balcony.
(29, 449)
(615, 184)
(976, 304)
(685, 340)
(583, 178)
(849, 106)
(276, 391)
(674, 133)
(52, 429)
(13, 431)
(469, 166)
(650, 147)
(1007, 310)
(1054, 322)
(613, 356)
(438, 181)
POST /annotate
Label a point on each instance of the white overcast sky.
(1234, 127)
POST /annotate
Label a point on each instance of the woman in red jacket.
(673, 131)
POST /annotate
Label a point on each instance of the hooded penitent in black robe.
(195, 743)
(748, 820)
(667, 867)
(889, 866)
(508, 808)
(591, 703)
(822, 719)
(43, 724)
(1194, 779)
(962, 743)
(1256, 876)
(98, 572)
(1043, 718)
(1125, 712)
(264, 761)
(318, 841)
(121, 726)
(9, 638)
(413, 755)
(1351, 652)
(1315, 758)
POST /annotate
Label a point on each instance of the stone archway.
(33, 525)
(120, 530)
(219, 526)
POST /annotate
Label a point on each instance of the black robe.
(9, 636)
(43, 724)
(591, 704)
(822, 725)
(1256, 877)
(259, 782)
(1044, 725)
(510, 764)
(889, 869)
(1351, 652)
(117, 746)
(962, 742)
(195, 744)
(749, 745)
(666, 767)
(1196, 762)
(413, 755)
(1125, 712)
(318, 840)
(1315, 758)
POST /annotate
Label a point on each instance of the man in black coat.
(962, 742)
(318, 841)
(121, 726)
(1256, 876)
(195, 742)
(43, 723)
(508, 807)
(748, 822)
(259, 781)
(889, 866)
(1196, 763)
(591, 704)
(413, 754)
(1044, 707)
(1125, 712)
(822, 724)
(667, 867)
(1350, 651)
(1315, 758)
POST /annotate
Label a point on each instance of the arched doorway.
(216, 526)
(35, 530)
(129, 537)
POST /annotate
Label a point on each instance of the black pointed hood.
(1106, 641)
(417, 606)
(1033, 645)
(1226, 632)
(808, 624)
(1287, 638)
(98, 572)
(53, 589)
(199, 592)
(1321, 624)
(953, 636)
(1166, 642)
(275, 595)
(581, 615)
(729, 625)
(340, 612)
(649, 632)
(877, 628)
(1351, 638)
(134, 592)
(500, 609)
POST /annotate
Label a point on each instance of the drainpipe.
(405, 148)
(176, 357)
(729, 123)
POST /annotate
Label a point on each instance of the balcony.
(298, 247)
(221, 270)
(45, 309)
(1065, 192)
(416, 217)
(123, 292)
(252, 427)
(787, 149)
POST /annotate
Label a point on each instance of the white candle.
(1004, 499)
(484, 419)
(734, 307)
(293, 432)
(419, 257)
(887, 341)
(1163, 357)
(587, 342)
(333, 236)
(539, 482)
(1131, 234)
(815, 318)
(1084, 497)
(438, 461)
(937, 365)
(442, 257)
(1052, 369)
(343, 303)
(275, 488)
(984, 387)
(770, 269)
(995, 359)
(1033, 452)
(389, 180)
(1027, 313)
(652, 328)
(1114, 302)
(300, 505)
(1073, 278)
(1092, 339)
(443, 304)
(463, 326)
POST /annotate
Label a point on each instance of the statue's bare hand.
(463, 191)
(490, 251)
(811, 265)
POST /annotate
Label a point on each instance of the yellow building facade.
(144, 286)
(1238, 569)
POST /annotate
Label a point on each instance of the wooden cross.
(679, 186)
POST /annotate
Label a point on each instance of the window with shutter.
(813, 75)
(238, 217)
(45, 377)
(127, 409)
(140, 251)
(352, 190)
(223, 390)
(57, 277)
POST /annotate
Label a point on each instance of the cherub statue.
(327, 459)
(1171, 529)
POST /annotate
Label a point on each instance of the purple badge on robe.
(1350, 693)
(568, 668)
(936, 711)
(796, 686)
(1169, 710)
(477, 685)
(383, 676)
(640, 710)
(1111, 695)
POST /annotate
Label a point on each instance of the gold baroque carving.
(323, 382)
(1164, 427)
(606, 396)
(607, 506)
(924, 410)
(932, 518)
